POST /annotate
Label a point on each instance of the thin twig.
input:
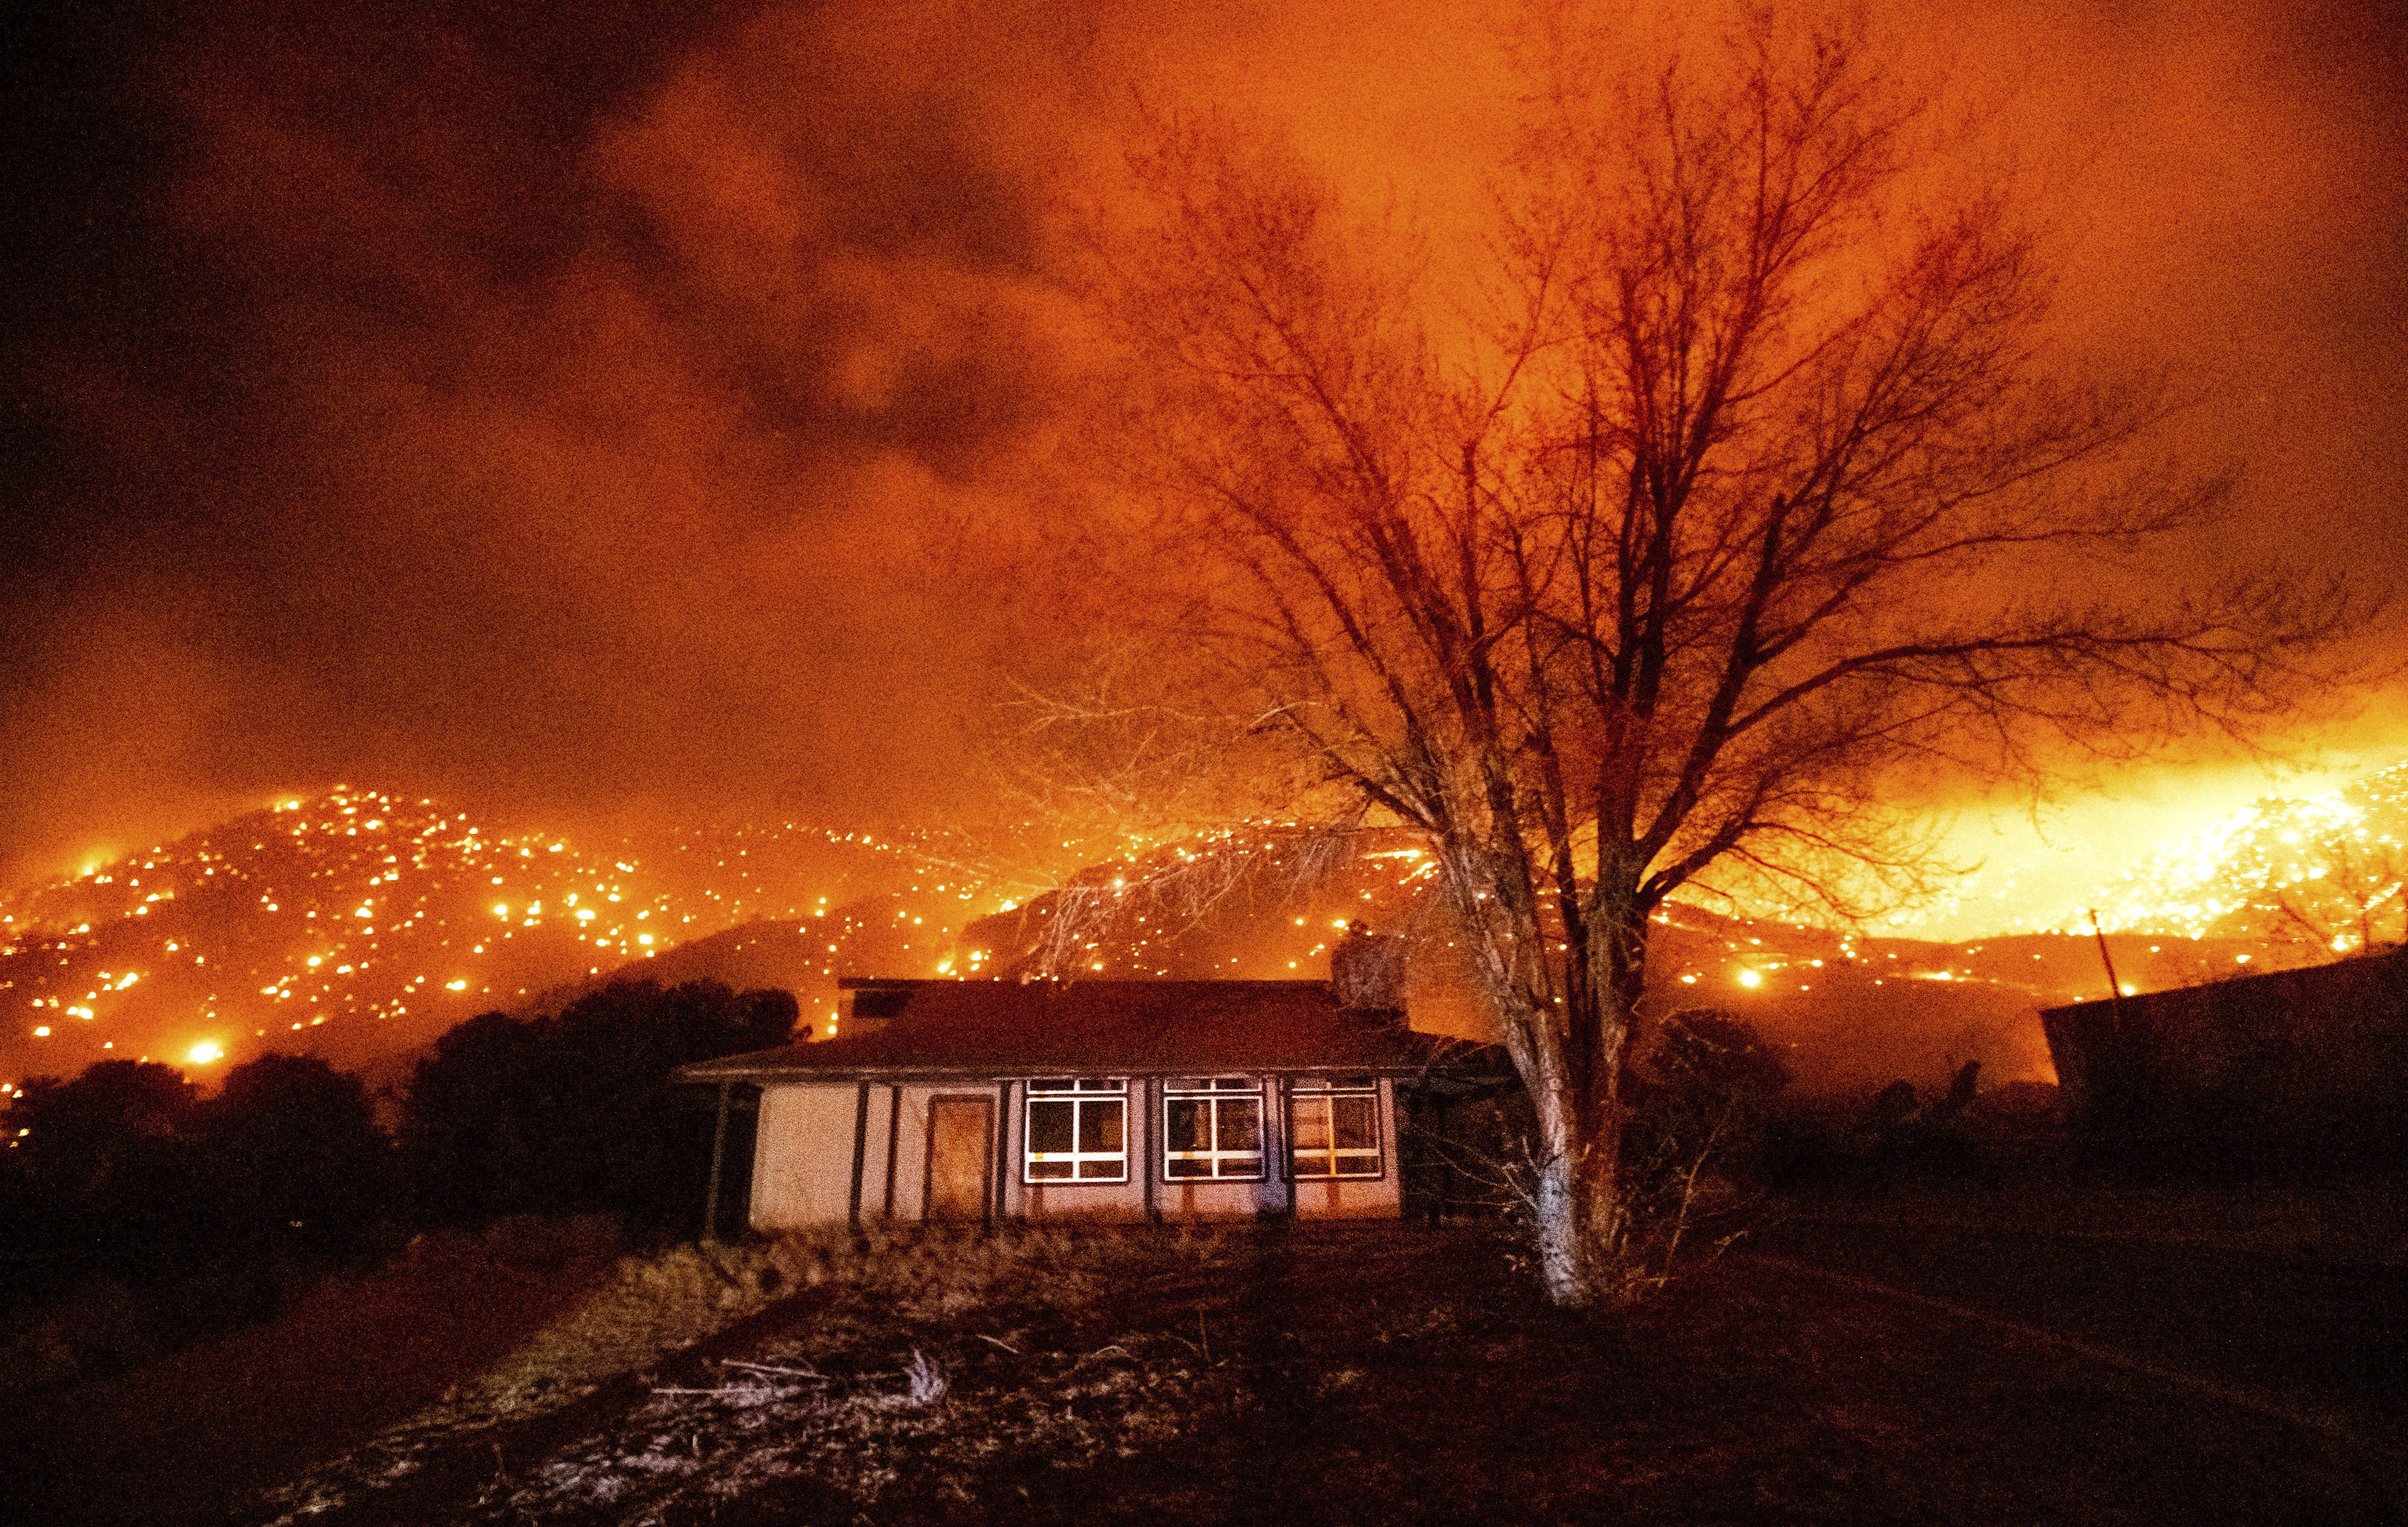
(765, 1368)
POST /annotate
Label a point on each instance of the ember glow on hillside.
(2339, 860)
(390, 919)
(361, 924)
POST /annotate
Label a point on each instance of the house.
(2314, 1058)
(1095, 1100)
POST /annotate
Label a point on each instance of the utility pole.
(2115, 987)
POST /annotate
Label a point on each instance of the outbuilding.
(2312, 1060)
(971, 1102)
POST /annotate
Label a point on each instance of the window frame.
(1212, 1092)
(1327, 1091)
(1081, 1093)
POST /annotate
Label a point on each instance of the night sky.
(628, 409)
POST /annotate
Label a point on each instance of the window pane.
(1100, 1169)
(1358, 1166)
(1048, 1169)
(1099, 1128)
(1049, 1127)
(1183, 1129)
(1050, 1084)
(1241, 1124)
(1187, 1168)
(1242, 1166)
(1313, 1123)
(1359, 1122)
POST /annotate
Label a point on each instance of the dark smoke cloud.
(582, 408)
(551, 416)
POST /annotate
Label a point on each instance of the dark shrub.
(575, 1113)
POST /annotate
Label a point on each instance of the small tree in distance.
(295, 1147)
(77, 1135)
(1738, 499)
(2347, 905)
(575, 1113)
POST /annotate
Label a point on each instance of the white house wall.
(802, 1158)
(804, 1174)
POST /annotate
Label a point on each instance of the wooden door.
(961, 1158)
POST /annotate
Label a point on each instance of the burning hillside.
(2322, 874)
(359, 923)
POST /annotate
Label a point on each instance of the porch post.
(718, 1153)
(894, 1136)
(860, 1147)
(1147, 1103)
(1002, 1199)
(1283, 1089)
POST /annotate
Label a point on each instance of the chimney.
(864, 1004)
(1367, 970)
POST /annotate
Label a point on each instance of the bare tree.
(1736, 500)
(2343, 906)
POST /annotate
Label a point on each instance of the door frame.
(986, 1159)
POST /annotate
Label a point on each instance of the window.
(1335, 1127)
(1078, 1130)
(1211, 1126)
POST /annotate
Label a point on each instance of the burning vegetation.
(387, 920)
(2313, 877)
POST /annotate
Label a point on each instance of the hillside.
(356, 925)
(2321, 873)
(1853, 1012)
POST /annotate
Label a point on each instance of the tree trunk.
(1562, 1267)
(1577, 1206)
(1566, 1266)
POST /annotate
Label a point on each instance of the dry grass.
(836, 1400)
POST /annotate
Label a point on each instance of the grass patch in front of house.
(855, 1296)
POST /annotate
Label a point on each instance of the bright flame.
(203, 1053)
(1750, 978)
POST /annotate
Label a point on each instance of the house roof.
(962, 1029)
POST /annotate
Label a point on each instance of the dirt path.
(2305, 1335)
(190, 1439)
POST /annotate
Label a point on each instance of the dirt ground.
(195, 1437)
(1388, 1375)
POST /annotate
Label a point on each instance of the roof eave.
(742, 1069)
